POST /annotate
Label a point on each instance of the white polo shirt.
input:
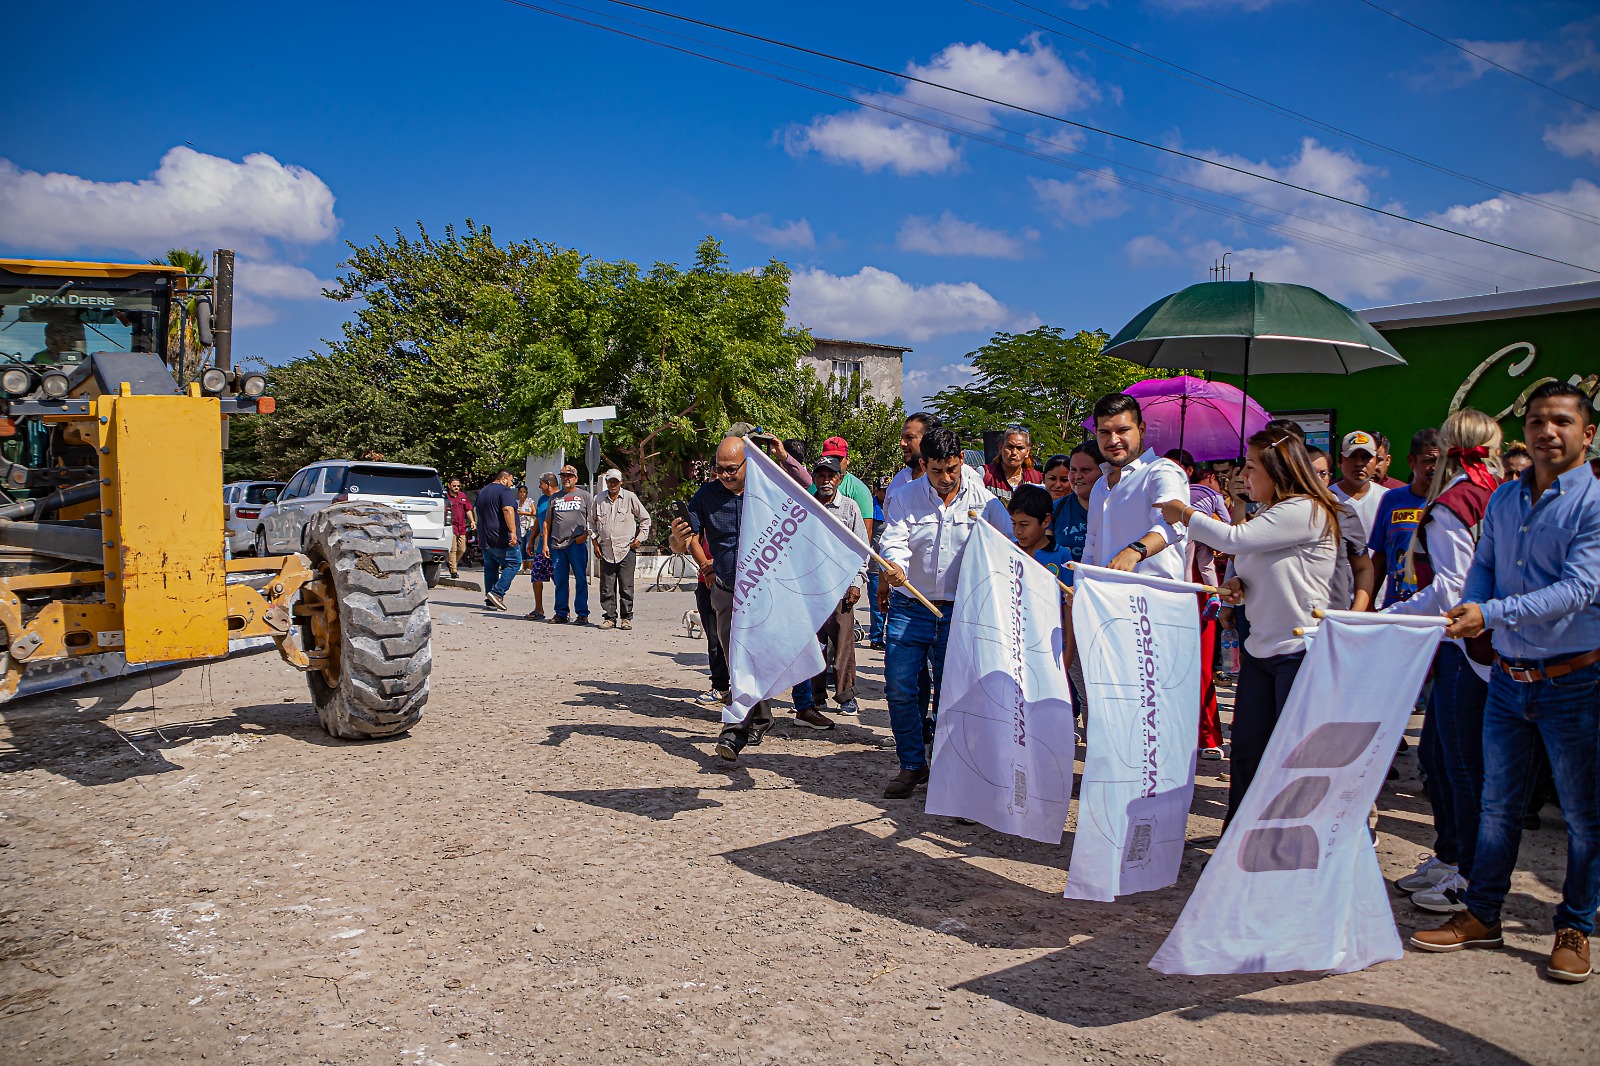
(927, 537)
(1121, 515)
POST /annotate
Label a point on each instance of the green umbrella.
(1252, 327)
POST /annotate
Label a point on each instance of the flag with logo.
(795, 562)
(1003, 753)
(1139, 639)
(1294, 883)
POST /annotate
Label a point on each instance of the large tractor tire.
(368, 614)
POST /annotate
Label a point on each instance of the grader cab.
(111, 515)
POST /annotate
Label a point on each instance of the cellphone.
(679, 509)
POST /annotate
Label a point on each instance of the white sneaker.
(1212, 754)
(1430, 873)
(1448, 897)
(710, 695)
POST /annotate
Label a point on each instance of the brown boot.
(1569, 960)
(905, 783)
(1461, 931)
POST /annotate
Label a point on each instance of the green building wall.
(1509, 356)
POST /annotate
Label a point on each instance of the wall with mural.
(1488, 365)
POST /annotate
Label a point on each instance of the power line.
(1204, 81)
(1479, 56)
(1099, 175)
(1096, 129)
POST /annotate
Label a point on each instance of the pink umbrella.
(1201, 417)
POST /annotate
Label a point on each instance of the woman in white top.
(1440, 555)
(1283, 561)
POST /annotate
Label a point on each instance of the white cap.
(612, 475)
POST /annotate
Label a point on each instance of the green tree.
(1045, 379)
(846, 409)
(185, 355)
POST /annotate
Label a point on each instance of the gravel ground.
(554, 867)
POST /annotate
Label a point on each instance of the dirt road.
(554, 868)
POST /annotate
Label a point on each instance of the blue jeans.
(500, 565)
(1561, 714)
(572, 560)
(916, 641)
(1457, 711)
(875, 629)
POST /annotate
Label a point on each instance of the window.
(297, 485)
(393, 481)
(843, 371)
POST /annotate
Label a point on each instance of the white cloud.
(1081, 201)
(278, 280)
(1578, 138)
(1034, 76)
(1146, 249)
(1459, 266)
(192, 199)
(874, 303)
(917, 385)
(1572, 52)
(949, 235)
(792, 234)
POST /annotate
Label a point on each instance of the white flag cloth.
(1294, 884)
(795, 562)
(1004, 748)
(1139, 638)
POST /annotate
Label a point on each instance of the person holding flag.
(716, 510)
(926, 525)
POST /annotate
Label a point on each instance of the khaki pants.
(458, 550)
(760, 716)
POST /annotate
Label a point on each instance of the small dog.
(691, 624)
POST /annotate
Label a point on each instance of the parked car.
(414, 491)
(241, 508)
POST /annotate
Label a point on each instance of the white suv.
(241, 507)
(414, 491)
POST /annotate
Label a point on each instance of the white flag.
(795, 562)
(1294, 884)
(1139, 639)
(1003, 753)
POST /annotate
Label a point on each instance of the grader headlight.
(54, 383)
(214, 381)
(16, 381)
(253, 386)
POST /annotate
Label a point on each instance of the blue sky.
(285, 130)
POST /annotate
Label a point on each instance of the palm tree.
(185, 354)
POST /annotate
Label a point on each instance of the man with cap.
(838, 633)
(1358, 463)
(566, 537)
(620, 524)
(850, 486)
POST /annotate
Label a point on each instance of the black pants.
(1258, 701)
(708, 625)
(616, 586)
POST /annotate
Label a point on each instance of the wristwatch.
(1138, 546)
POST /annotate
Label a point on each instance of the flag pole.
(919, 597)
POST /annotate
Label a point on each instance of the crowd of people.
(1502, 539)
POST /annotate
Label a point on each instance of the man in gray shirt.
(566, 543)
(838, 633)
(620, 524)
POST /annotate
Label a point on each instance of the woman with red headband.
(1440, 556)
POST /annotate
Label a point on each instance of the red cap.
(836, 446)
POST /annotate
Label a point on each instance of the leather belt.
(1561, 669)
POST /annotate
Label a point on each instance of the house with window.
(881, 366)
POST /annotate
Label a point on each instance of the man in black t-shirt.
(496, 509)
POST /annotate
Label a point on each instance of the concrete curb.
(460, 583)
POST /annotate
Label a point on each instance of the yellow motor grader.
(111, 516)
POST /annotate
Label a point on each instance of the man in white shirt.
(1358, 463)
(1126, 531)
(926, 525)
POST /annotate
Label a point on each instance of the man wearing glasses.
(566, 543)
(715, 510)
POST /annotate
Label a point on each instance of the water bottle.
(1230, 651)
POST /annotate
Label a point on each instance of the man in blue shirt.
(1535, 584)
(1398, 517)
